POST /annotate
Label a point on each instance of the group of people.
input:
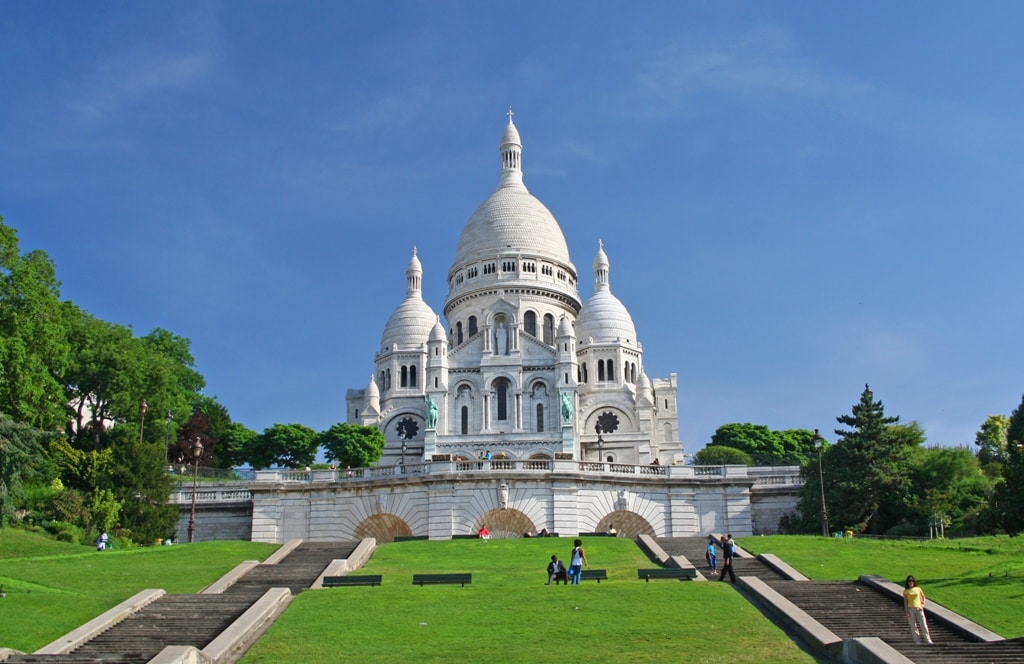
(557, 571)
(728, 546)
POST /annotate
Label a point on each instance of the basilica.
(516, 365)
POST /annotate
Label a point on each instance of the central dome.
(511, 220)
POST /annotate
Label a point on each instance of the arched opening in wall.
(505, 524)
(549, 329)
(404, 381)
(600, 370)
(412, 376)
(626, 524)
(540, 418)
(383, 527)
(464, 417)
(632, 373)
(584, 367)
(611, 369)
(501, 398)
(458, 332)
(387, 380)
(530, 323)
(667, 435)
(472, 326)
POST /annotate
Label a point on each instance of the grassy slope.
(981, 578)
(509, 615)
(53, 587)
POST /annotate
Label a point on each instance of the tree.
(1008, 497)
(948, 484)
(353, 445)
(789, 447)
(33, 336)
(720, 455)
(20, 447)
(866, 481)
(288, 445)
(138, 480)
(991, 440)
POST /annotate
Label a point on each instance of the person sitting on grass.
(557, 572)
(484, 533)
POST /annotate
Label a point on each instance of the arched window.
(465, 420)
(625, 372)
(530, 323)
(412, 376)
(383, 385)
(600, 370)
(632, 373)
(472, 326)
(549, 329)
(387, 380)
(584, 366)
(540, 418)
(610, 371)
(458, 332)
(501, 396)
(404, 381)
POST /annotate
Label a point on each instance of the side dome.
(511, 220)
(603, 317)
(413, 320)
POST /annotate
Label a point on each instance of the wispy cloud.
(761, 63)
(135, 82)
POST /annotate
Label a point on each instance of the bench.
(360, 580)
(461, 578)
(594, 575)
(667, 573)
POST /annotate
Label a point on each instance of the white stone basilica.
(522, 370)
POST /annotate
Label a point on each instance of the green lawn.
(981, 577)
(508, 614)
(53, 587)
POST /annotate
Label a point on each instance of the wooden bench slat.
(666, 573)
(352, 580)
(594, 575)
(461, 578)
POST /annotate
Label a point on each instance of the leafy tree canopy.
(1008, 497)
(288, 445)
(767, 447)
(353, 445)
(720, 455)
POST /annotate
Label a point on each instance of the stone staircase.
(196, 620)
(853, 609)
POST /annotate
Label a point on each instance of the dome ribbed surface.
(511, 219)
(605, 319)
(410, 325)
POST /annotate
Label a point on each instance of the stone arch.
(505, 524)
(383, 527)
(626, 523)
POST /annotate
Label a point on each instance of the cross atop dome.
(510, 114)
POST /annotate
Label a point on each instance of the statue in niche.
(566, 407)
(431, 412)
(501, 339)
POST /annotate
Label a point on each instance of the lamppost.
(142, 420)
(167, 439)
(197, 452)
(819, 442)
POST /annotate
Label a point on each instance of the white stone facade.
(523, 368)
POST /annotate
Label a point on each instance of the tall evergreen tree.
(868, 466)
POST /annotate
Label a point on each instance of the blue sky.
(796, 198)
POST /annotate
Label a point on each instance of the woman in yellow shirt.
(913, 603)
